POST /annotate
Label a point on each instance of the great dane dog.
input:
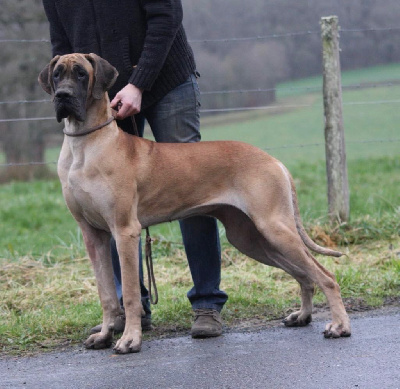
(116, 184)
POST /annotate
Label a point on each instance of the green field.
(47, 291)
(352, 78)
(371, 119)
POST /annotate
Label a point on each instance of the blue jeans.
(176, 119)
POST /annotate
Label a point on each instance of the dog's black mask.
(70, 92)
(69, 106)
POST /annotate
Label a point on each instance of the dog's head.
(74, 80)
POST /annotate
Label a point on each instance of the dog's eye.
(81, 74)
(56, 75)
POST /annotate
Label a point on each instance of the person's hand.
(128, 100)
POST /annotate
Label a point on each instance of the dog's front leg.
(127, 240)
(98, 246)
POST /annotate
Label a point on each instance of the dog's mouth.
(69, 106)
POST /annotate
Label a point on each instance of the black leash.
(150, 270)
(135, 129)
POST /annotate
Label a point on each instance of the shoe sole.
(201, 335)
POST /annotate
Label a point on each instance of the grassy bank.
(45, 305)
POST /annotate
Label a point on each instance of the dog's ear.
(104, 75)
(45, 76)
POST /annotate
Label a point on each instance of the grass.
(48, 295)
(49, 304)
(35, 220)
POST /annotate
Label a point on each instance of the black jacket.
(147, 34)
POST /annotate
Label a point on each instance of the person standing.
(146, 42)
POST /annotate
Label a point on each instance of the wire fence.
(309, 88)
(240, 39)
(272, 107)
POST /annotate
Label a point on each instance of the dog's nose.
(63, 93)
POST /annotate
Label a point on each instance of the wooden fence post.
(338, 187)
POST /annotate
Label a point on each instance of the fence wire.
(243, 39)
(310, 88)
(233, 109)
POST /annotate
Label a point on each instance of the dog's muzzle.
(67, 104)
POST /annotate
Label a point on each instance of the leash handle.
(134, 125)
(150, 270)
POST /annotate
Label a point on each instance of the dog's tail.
(302, 232)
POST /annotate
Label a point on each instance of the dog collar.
(92, 129)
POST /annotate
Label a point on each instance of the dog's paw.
(128, 344)
(98, 341)
(297, 319)
(337, 330)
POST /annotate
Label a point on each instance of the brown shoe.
(207, 323)
(119, 325)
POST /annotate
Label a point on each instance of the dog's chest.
(87, 198)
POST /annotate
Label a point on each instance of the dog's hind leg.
(293, 257)
(276, 242)
(98, 246)
(303, 316)
(127, 239)
(242, 233)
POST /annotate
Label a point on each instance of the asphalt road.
(270, 358)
